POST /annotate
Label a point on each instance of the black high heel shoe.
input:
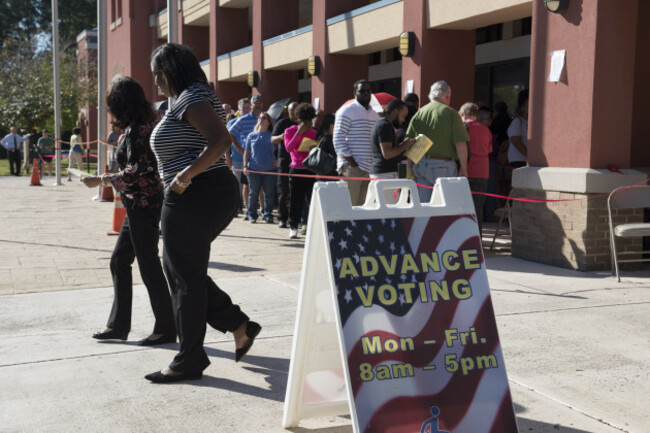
(252, 330)
(159, 377)
(111, 335)
(163, 339)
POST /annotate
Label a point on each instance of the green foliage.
(27, 86)
(31, 17)
(26, 64)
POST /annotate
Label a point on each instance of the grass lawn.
(4, 167)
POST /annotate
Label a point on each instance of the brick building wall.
(570, 234)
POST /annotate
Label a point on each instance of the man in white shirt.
(12, 142)
(353, 140)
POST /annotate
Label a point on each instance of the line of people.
(371, 145)
(23, 149)
(185, 173)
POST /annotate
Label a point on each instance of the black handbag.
(320, 162)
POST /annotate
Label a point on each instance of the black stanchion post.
(87, 160)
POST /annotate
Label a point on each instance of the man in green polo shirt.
(443, 125)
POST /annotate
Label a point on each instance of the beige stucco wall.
(162, 26)
(235, 3)
(206, 69)
(234, 68)
(472, 14)
(288, 53)
(375, 30)
(196, 12)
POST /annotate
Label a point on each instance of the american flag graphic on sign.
(420, 336)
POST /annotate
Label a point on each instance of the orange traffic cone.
(119, 213)
(107, 191)
(36, 178)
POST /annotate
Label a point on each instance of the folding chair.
(506, 211)
(627, 197)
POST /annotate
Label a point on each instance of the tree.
(34, 17)
(27, 86)
(26, 70)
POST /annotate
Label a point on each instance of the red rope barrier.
(528, 200)
(88, 142)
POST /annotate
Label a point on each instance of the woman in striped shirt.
(201, 198)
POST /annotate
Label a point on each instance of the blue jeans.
(427, 171)
(256, 182)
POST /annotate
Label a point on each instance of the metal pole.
(172, 31)
(101, 89)
(172, 21)
(57, 93)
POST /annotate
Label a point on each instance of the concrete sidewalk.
(576, 345)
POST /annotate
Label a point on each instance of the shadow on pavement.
(340, 429)
(526, 425)
(233, 268)
(529, 425)
(276, 393)
(537, 293)
(507, 263)
(248, 238)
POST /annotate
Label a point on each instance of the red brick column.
(273, 18)
(590, 110)
(334, 84)
(439, 55)
(228, 32)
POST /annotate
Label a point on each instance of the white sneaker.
(293, 233)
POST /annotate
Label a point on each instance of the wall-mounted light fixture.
(556, 6)
(253, 78)
(407, 43)
(313, 65)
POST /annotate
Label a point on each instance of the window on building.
(501, 81)
(116, 12)
(305, 13)
(393, 55)
(522, 27)
(489, 34)
(390, 86)
(374, 58)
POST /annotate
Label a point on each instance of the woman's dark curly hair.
(328, 121)
(126, 102)
(305, 112)
(179, 65)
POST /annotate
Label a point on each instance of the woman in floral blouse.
(141, 190)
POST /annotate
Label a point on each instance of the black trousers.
(283, 192)
(301, 188)
(14, 160)
(190, 222)
(138, 238)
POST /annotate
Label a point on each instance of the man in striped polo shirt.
(353, 140)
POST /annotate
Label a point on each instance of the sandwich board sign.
(395, 324)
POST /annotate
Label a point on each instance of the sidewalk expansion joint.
(134, 350)
(587, 307)
(567, 405)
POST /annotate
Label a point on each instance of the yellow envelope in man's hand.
(307, 144)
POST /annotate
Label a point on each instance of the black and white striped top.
(353, 134)
(175, 142)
